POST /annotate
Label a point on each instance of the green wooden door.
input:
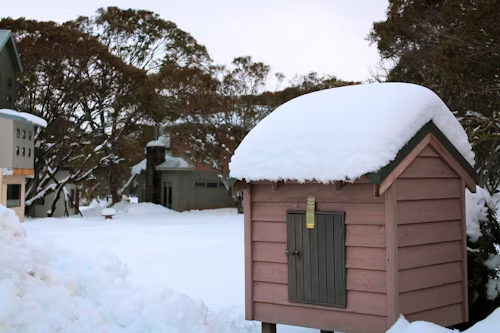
(316, 259)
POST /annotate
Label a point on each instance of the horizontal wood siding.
(360, 302)
(430, 236)
(430, 276)
(324, 193)
(362, 213)
(430, 298)
(323, 319)
(428, 233)
(365, 256)
(446, 315)
(357, 279)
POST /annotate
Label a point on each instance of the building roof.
(171, 162)
(175, 163)
(6, 38)
(341, 134)
(22, 116)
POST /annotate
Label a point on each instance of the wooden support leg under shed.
(268, 328)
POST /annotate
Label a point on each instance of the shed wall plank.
(425, 189)
(269, 252)
(359, 302)
(365, 235)
(356, 257)
(430, 298)
(358, 193)
(445, 316)
(356, 235)
(269, 232)
(430, 276)
(427, 255)
(367, 213)
(365, 258)
(319, 319)
(429, 233)
(428, 211)
(357, 279)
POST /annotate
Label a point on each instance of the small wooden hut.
(351, 255)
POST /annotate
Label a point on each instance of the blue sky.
(292, 36)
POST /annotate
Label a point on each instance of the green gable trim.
(429, 128)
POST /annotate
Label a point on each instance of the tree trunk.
(114, 186)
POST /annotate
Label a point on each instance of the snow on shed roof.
(342, 133)
(23, 116)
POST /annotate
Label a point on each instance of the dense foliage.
(104, 82)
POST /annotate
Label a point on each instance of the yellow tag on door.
(310, 210)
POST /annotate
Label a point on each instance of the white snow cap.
(342, 133)
(162, 141)
(108, 211)
(26, 116)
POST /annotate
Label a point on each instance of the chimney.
(155, 155)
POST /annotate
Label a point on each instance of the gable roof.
(6, 39)
(341, 134)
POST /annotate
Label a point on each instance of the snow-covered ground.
(147, 270)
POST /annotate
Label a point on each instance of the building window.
(24, 134)
(18, 133)
(9, 98)
(212, 184)
(17, 150)
(29, 135)
(9, 82)
(199, 184)
(221, 184)
(29, 152)
(13, 195)
(24, 151)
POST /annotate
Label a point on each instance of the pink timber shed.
(386, 240)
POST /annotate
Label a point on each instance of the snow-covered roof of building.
(174, 163)
(343, 133)
(139, 167)
(171, 163)
(161, 141)
(23, 116)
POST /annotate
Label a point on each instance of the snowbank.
(342, 133)
(41, 292)
(488, 325)
(26, 116)
(147, 208)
